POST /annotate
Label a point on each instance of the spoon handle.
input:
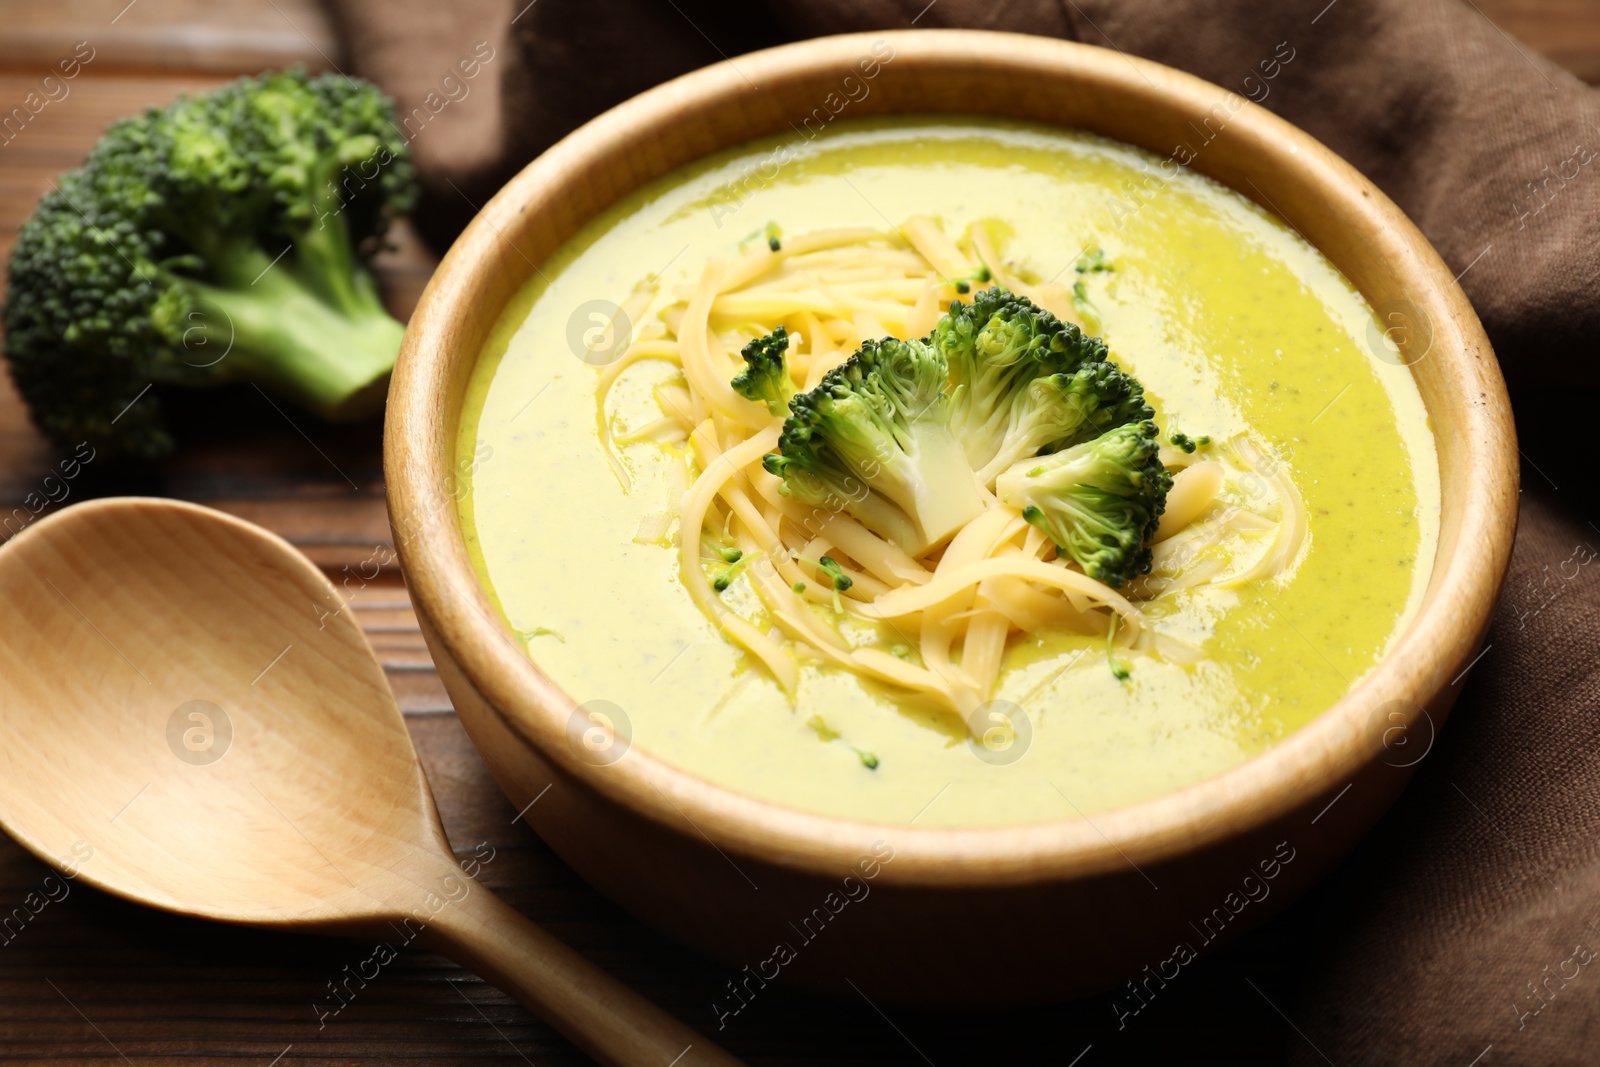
(603, 1017)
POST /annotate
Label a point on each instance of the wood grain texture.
(221, 36)
(92, 979)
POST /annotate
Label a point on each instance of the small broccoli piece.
(963, 282)
(996, 347)
(223, 238)
(1183, 441)
(836, 577)
(830, 566)
(828, 734)
(1100, 501)
(771, 235)
(740, 561)
(798, 587)
(765, 378)
(1119, 670)
(1063, 410)
(1093, 262)
(1087, 311)
(726, 553)
(874, 439)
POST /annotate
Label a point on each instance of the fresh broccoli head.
(1100, 501)
(873, 439)
(765, 378)
(221, 239)
(1063, 410)
(996, 347)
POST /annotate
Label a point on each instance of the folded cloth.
(1474, 911)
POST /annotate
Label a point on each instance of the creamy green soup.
(1232, 322)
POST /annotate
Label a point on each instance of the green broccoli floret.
(874, 439)
(738, 563)
(1186, 443)
(765, 378)
(220, 239)
(963, 282)
(771, 235)
(1063, 410)
(830, 566)
(1100, 501)
(837, 578)
(996, 347)
(1093, 262)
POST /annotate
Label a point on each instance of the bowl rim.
(1310, 764)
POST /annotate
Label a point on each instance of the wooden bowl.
(961, 918)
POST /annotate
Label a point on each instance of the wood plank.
(221, 36)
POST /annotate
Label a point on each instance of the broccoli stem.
(327, 260)
(291, 329)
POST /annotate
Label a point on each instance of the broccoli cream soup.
(949, 472)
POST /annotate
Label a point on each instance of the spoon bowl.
(193, 722)
(218, 753)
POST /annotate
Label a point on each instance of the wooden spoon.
(187, 718)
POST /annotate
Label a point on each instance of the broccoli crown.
(765, 378)
(1062, 410)
(996, 347)
(221, 238)
(1099, 501)
(873, 439)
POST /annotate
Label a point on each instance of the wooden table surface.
(90, 979)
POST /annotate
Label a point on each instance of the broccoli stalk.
(334, 361)
(874, 439)
(1063, 410)
(221, 239)
(765, 378)
(1100, 501)
(996, 348)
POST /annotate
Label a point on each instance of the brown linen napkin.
(1474, 911)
